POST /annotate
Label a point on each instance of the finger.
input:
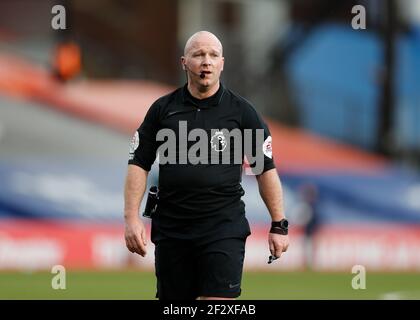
(128, 245)
(135, 245)
(278, 249)
(141, 247)
(144, 237)
(271, 246)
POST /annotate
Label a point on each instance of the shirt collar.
(213, 100)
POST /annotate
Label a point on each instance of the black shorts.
(185, 270)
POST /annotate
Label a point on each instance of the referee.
(199, 228)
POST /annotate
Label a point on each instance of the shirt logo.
(267, 149)
(214, 146)
(218, 141)
(134, 144)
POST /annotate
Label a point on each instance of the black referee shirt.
(200, 201)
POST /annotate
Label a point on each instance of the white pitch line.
(400, 295)
(396, 295)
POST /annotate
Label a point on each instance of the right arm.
(135, 231)
(142, 155)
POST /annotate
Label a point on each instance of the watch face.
(284, 224)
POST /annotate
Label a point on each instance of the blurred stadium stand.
(337, 74)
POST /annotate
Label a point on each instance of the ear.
(223, 63)
(183, 62)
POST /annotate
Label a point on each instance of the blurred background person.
(310, 219)
(66, 61)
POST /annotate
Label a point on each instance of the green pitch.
(255, 285)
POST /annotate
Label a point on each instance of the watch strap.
(278, 227)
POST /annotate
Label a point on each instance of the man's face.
(203, 55)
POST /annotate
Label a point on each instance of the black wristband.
(280, 227)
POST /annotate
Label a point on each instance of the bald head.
(203, 62)
(202, 37)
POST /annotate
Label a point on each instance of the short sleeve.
(261, 144)
(143, 144)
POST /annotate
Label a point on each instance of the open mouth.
(204, 73)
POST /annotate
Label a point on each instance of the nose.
(206, 60)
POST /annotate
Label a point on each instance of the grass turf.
(255, 285)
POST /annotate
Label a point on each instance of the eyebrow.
(201, 50)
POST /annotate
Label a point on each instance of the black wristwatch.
(280, 227)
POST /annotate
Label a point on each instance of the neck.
(196, 93)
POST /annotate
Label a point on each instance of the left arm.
(271, 192)
(268, 179)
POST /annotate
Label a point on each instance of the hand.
(278, 244)
(135, 236)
